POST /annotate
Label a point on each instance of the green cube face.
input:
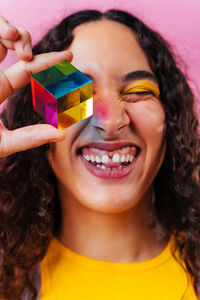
(62, 95)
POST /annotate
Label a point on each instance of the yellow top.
(68, 275)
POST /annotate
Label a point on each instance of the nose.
(109, 115)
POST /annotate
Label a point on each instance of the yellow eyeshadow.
(143, 86)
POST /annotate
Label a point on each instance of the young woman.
(110, 207)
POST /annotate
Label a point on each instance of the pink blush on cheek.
(100, 111)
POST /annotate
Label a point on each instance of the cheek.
(55, 159)
(161, 128)
(148, 118)
(61, 153)
(59, 160)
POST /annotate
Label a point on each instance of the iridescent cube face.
(62, 95)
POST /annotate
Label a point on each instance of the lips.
(109, 160)
(109, 146)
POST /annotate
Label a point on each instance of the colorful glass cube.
(62, 95)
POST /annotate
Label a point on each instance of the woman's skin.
(110, 218)
(106, 219)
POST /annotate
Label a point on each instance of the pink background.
(177, 20)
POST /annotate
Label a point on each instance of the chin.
(107, 203)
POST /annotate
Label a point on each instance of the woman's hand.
(16, 77)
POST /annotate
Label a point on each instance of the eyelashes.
(139, 93)
(136, 96)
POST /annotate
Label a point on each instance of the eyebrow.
(139, 75)
(136, 75)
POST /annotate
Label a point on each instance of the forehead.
(108, 45)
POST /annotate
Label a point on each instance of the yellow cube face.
(75, 114)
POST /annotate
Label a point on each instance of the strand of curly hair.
(29, 203)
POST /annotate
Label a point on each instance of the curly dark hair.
(29, 202)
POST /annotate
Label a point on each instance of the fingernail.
(11, 25)
(58, 139)
(28, 49)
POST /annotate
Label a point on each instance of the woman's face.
(124, 124)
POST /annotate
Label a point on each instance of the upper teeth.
(116, 158)
(105, 159)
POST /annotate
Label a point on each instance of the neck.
(119, 237)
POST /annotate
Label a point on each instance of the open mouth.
(109, 164)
